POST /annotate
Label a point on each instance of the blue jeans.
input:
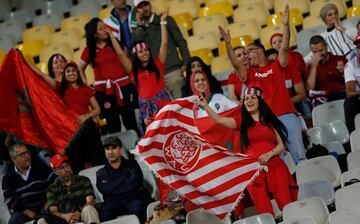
(18, 217)
(294, 141)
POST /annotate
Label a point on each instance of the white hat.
(137, 2)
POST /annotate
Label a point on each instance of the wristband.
(163, 22)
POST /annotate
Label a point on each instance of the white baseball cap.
(137, 2)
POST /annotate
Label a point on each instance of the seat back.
(91, 174)
(245, 27)
(181, 6)
(338, 131)
(207, 40)
(323, 167)
(42, 32)
(267, 32)
(321, 188)
(328, 112)
(7, 42)
(302, 5)
(315, 6)
(201, 216)
(355, 140)
(14, 28)
(349, 175)
(335, 146)
(221, 64)
(87, 7)
(314, 206)
(256, 11)
(353, 160)
(150, 182)
(45, 18)
(210, 23)
(205, 54)
(347, 197)
(62, 48)
(305, 35)
(76, 22)
(345, 216)
(223, 7)
(302, 220)
(257, 219)
(357, 122)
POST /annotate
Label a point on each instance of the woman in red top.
(114, 91)
(262, 137)
(86, 145)
(148, 75)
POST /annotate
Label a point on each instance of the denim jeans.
(294, 141)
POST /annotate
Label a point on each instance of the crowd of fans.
(136, 62)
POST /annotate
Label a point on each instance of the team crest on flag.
(209, 175)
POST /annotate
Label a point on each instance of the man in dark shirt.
(121, 183)
(24, 185)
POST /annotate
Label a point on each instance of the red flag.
(32, 111)
(208, 175)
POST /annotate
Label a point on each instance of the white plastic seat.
(323, 167)
(321, 188)
(355, 140)
(338, 131)
(45, 18)
(85, 8)
(150, 208)
(328, 112)
(348, 175)
(319, 135)
(287, 158)
(7, 42)
(357, 122)
(198, 216)
(329, 132)
(335, 146)
(302, 220)
(347, 197)
(14, 28)
(304, 38)
(91, 174)
(57, 6)
(5, 9)
(353, 160)
(351, 216)
(257, 219)
(314, 207)
(126, 219)
(150, 182)
(23, 16)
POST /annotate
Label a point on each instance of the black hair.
(316, 40)
(150, 66)
(91, 40)
(267, 117)
(50, 64)
(215, 86)
(64, 83)
(258, 45)
(271, 51)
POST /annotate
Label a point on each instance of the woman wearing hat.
(86, 145)
(263, 137)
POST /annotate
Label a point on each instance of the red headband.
(275, 35)
(252, 90)
(139, 46)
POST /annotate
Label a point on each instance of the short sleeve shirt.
(107, 64)
(271, 80)
(218, 103)
(352, 72)
(148, 84)
(238, 84)
(77, 98)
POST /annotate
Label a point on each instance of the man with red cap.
(147, 29)
(352, 85)
(71, 197)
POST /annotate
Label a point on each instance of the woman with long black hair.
(114, 91)
(263, 137)
(86, 145)
(148, 75)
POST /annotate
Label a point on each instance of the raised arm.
(123, 57)
(283, 52)
(228, 122)
(239, 67)
(164, 38)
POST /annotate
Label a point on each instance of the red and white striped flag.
(210, 176)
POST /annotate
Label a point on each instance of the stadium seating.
(353, 12)
(269, 4)
(87, 7)
(323, 167)
(205, 54)
(42, 32)
(126, 219)
(357, 122)
(209, 2)
(59, 7)
(61, 48)
(314, 206)
(201, 216)
(7, 42)
(257, 219)
(223, 7)
(14, 28)
(179, 6)
(70, 37)
(307, 219)
(349, 175)
(256, 11)
(328, 112)
(32, 48)
(221, 64)
(304, 38)
(23, 16)
(2, 55)
(209, 24)
(184, 19)
(355, 140)
(347, 197)
(267, 32)
(295, 18)
(76, 22)
(312, 21)
(245, 27)
(316, 5)
(159, 6)
(103, 13)
(321, 188)
(150, 182)
(53, 19)
(5, 9)
(353, 160)
(235, 42)
(345, 216)
(91, 174)
(43, 67)
(302, 5)
(207, 40)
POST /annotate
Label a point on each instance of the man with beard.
(121, 183)
(326, 71)
(71, 197)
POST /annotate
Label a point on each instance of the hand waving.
(285, 15)
(225, 35)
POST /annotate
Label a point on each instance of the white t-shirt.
(352, 72)
(218, 103)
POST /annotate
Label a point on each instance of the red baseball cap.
(57, 160)
(357, 40)
(72, 63)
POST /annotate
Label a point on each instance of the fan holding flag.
(262, 138)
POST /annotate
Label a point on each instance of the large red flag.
(32, 111)
(208, 175)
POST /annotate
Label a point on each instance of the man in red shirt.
(326, 71)
(270, 78)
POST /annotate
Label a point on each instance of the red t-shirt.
(107, 64)
(328, 77)
(292, 77)
(271, 80)
(297, 60)
(77, 99)
(235, 80)
(148, 85)
(262, 138)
